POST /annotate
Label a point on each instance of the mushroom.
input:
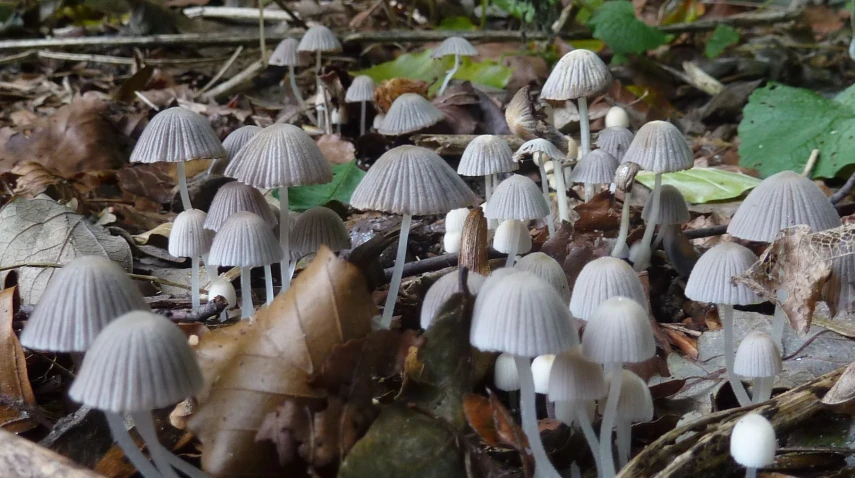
(519, 198)
(487, 155)
(223, 288)
(454, 222)
(442, 290)
(673, 211)
(547, 269)
(286, 54)
(635, 404)
(361, 91)
(602, 279)
(318, 226)
(712, 281)
(540, 367)
(615, 141)
(246, 241)
(176, 135)
(409, 112)
(512, 238)
(139, 363)
(616, 117)
(189, 238)
(540, 151)
(409, 180)
(596, 167)
(753, 443)
(624, 180)
(457, 46)
(235, 197)
(758, 358)
(319, 39)
(506, 378)
(232, 144)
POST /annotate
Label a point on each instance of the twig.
(811, 162)
(146, 101)
(294, 17)
(179, 40)
(236, 81)
(120, 60)
(17, 57)
(243, 13)
(705, 232)
(454, 144)
(431, 264)
(221, 72)
(843, 191)
(205, 312)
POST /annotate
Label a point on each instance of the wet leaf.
(345, 179)
(722, 37)
(701, 185)
(616, 24)
(14, 382)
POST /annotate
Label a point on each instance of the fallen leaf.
(345, 179)
(386, 92)
(20, 457)
(460, 105)
(492, 421)
(336, 149)
(14, 383)
(151, 181)
(700, 185)
(34, 179)
(597, 214)
(843, 392)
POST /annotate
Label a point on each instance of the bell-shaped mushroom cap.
(618, 332)
(412, 180)
(455, 46)
(538, 145)
(839, 291)
(672, 207)
(223, 288)
(616, 117)
(565, 410)
(486, 154)
(456, 219)
(547, 269)
(285, 53)
(596, 167)
(711, 279)
(361, 89)
(521, 315)
(540, 367)
(601, 279)
(140, 362)
(511, 231)
(245, 240)
(280, 155)
(635, 403)
(660, 147)
(573, 377)
(451, 242)
(238, 138)
(188, 237)
(782, 200)
(409, 112)
(757, 356)
(235, 197)
(578, 74)
(316, 227)
(319, 38)
(615, 141)
(505, 375)
(517, 197)
(175, 135)
(752, 441)
(79, 301)
(497, 274)
(443, 289)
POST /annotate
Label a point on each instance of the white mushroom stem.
(395, 284)
(613, 373)
(561, 189)
(194, 283)
(182, 186)
(544, 184)
(451, 73)
(575, 471)
(542, 466)
(643, 259)
(512, 253)
(624, 441)
(488, 188)
(584, 127)
(246, 308)
(268, 283)
(362, 118)
(779, 322)
(292, 79)
(726, 316)
(621, 250)
(751, 473)
(292, 266)
(284, 238)
(126, 443)
(210, 269)
(163, 458)
(763, 389)
(589, 191)
(584, 422)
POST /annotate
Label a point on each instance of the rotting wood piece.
(454, 144)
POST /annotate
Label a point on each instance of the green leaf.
(722, 37)
(616, 24)
(523, 10)
(456, 23)
(345, 179)
(700, 185)
(781, 125)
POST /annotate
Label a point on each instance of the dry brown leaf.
(34, 179)
(493, 423)
(151, 181)
(20, 457)
(597, 214)
(336, 149)
(14, 382)
(386, 92)
(252, 368)
(843, 392)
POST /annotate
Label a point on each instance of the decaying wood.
(454, 144)
(473, 243)
(20, 457)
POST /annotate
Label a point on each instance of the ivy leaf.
(345, 179)
(722, 37)
(700, 185)
(616, 24)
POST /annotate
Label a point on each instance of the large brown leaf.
(252, 368)
(14, 382)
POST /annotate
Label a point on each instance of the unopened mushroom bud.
(753, 443)
(617, 116)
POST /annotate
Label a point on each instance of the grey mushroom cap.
(660, 147)
(573, 377)
(486, 154)
(596, 167)
(672, 207)
(618, 332)
(78, 302)
(140, 362)
(285, 53)
(538, 145)
(517, 197)
(280, 155)
(188, 237)
(176, 135)
(412, 180)
(319, 38)
(443, 289)
(578, 74)
(361, 89)
(316, 227)
(547, 269)
(783, 200)
(245, 240)
(757, 356)
(455, 46)
(409, 112)
(839, 291)
(711, 279)
(602, 279)
(235, 197)
(233, 143)
(615, 141)
(635, 403)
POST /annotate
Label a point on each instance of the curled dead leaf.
(386, 92)
(14, 382)
(34, 179)
(842, 393)
(336, 149)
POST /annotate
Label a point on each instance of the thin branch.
(178, 40)
(222, 71)
(844, 191)
(294, 17)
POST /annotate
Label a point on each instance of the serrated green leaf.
(722, 37)
(781, 125)
(616, 24)
(345, 179)
(456, 23)
(700, 185)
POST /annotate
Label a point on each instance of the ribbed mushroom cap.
(711, 279)
(238, 138)
(511, 231)
(316, 227)
(223, 288)
(175, 135)
(361, 89)
(455, 46)
(547, 269)
(456, 219)
(140, 362)
(783, 200)
(615, 141)
(757, 356)
(839, 291)
(565, 410)
(660, 147)
(409, 112)
(505, 375)
(319, 38)
(635, 403)
(443, 289)
(596, 167)
(580, 73)
(753, 442)
(601, 279)
(618, 332)
(412, 180)
(280, 155)
(540, 367)
(538, 145)
(486, 154)
(235, 197)
(573, 377)
(188, 237)
(672, 207)
(285, 53)
(521, 315)
(245, 240)
(616, 117)
(496, 275)
(79, 301)
(517, 197)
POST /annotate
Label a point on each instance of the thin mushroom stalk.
(621, 250)
(361, 118)
(589, 191)
(488, 188)
(763, 389)
(512, 253)
(284, 238)
(397, 273)
(561, 190)
(246, 307)
(292, 80)
(624, 441)
(182, 187)
(751, 473)
(126, 443)
(542, 466)
(584, 127)
(163, 458)
(779, 321)
(608, 423)
(268, 283)
(726, 316)
(450, 74)
(544, 184)
(584, 422)
(194, 283)
(643, 259)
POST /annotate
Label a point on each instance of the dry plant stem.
(544, 184)
(561, 189)
(268, 284)
(609, 417)
(779, 322)
(261, 38)
(284, 238)
(246, 307)
(361, 118)
(644, 252)
(126, 443)
(450, 74)
(584, 127)
(542, 466)
(194, 283)
(221, 72)
(182, 187)
(395, 283)
(163, 458)
(235, 82)
(726, 316)
(584, 422)
(621, 250)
